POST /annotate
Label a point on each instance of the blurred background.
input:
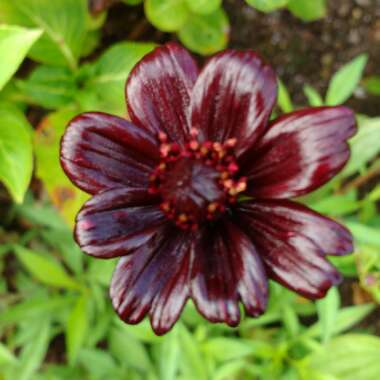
(59, 58)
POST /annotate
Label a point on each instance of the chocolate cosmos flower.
(192, 193)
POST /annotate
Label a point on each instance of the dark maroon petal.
(288, 217)
(117, 222)
(233, 97)
(101, 151)
(289, 251)
(158, 91)
(154, 280)
(300, 152)
(226, 269)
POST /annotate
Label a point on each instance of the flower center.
(196, 182)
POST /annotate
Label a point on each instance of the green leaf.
(223, 349)
(206, 34)
(192, 360)
(337, 205)
(267, 5)
(65, 196)
(49, 86)
(35, 307)
(110, 72)
(128, 350)
(203, 6)
(76, 329)
(170, 350)
(344, 81)
(45, 270)
(15, 43)
(33, 353)
(345, 319)
(132, 2)
(167, 15)
(328, 311)
(284, 100)
(98, 363)
(313, 96)
(308, 10)
(6, 356)
(63, 22)
(364, 234)
(350, 357)
(372, 84)
(365, 145)
(16, 156)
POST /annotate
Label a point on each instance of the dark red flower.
(192, 193)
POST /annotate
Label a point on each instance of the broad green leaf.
(350, 357)
(170, 350)
(33, 353)
(167, 15)
(346, 319)
(223, 349)
(337, 205)
(132, 2)
(76, 329)
(206, 34)
(16, 156)
(6, 356)
(203, 6)
(35, 307)
(49, 87)
(64, 24)
(192, 360)
(66, 197)
(365, 145)
(365, 234)
(99, 363)
(372, 84)
(48, 271)
(290, 320)
(344, 81)
(229, 370)
(284, 100)
(15, 43)
(308, 10)
(128, 350)
(267, 5)
(327, 312)
(109, 74)
(313, 96)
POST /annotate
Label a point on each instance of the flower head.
(192, 193)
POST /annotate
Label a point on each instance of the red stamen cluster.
(219, 156)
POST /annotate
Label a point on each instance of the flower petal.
(154, 280)
(289, 245)
(226, 269)
(288, 217)
(101, 151)
(158, 91)
(117, 222)
(233, 98)
(300, 152)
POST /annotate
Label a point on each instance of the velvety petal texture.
(167, 188)
(158, 91)
(226, 269)
(101, 151)
(233, 98)
(293, 241)
(299, 152)
(154, 280)
(117, 222)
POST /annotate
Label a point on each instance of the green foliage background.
(56, 322)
